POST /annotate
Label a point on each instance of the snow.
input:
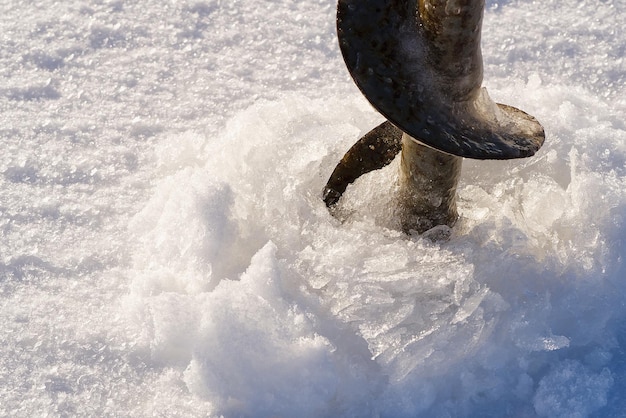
(165, 249)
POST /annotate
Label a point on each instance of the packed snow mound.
(268, 305)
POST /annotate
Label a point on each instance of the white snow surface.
(165, 250)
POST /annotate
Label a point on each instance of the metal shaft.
(429, 178)
(452, 29)
(428, 181)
